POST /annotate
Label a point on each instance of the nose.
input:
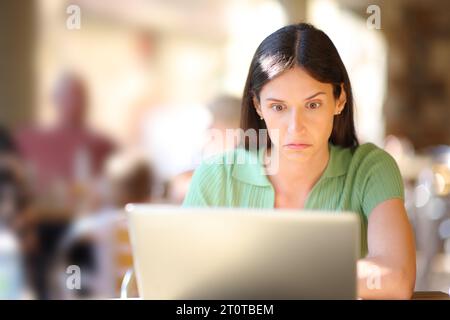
(296, 121)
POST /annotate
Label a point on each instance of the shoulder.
(368, 157)
(221, 166)
(358, 161)
(213, 177)
(211, 167)
(237, 165)
(377, 176)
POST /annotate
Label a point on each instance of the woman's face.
(301, 109)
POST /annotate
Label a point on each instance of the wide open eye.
(277, 107)
(313, 105)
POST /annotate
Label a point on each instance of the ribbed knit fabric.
(354, 180)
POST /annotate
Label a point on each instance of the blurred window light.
(365, 62)
(248, 23)
(441, 179)
(174, 136)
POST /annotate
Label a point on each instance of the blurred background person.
(221, 136)
(66, 158)
(225, 112)
(63, 164)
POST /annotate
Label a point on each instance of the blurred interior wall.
(17, 19)
(295, 10)
(417, 105)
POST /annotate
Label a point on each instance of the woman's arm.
(389, 270)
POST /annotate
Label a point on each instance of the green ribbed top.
(354, 180)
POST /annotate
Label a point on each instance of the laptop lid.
(234, 253)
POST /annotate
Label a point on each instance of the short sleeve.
(379, 179)
(207, 187)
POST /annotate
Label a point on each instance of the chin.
(296, 155)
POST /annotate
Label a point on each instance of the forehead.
(292, 84)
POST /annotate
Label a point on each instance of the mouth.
(296, 146)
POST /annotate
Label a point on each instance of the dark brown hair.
(311, 49)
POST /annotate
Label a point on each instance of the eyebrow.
(313, 96)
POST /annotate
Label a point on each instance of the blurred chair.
(16, 241)
(99, 243)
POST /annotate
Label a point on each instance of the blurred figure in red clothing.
(65, 159)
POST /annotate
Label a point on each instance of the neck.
(299, 176)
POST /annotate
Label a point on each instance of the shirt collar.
(249, 168)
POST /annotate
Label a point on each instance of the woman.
(299, 91)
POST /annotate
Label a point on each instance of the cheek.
(325, 126)
(277, 127)
(318, 126)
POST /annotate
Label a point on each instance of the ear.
(341, 101)
(257, 106)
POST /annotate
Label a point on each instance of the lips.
(297, 144)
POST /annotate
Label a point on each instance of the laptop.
(234, 253)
